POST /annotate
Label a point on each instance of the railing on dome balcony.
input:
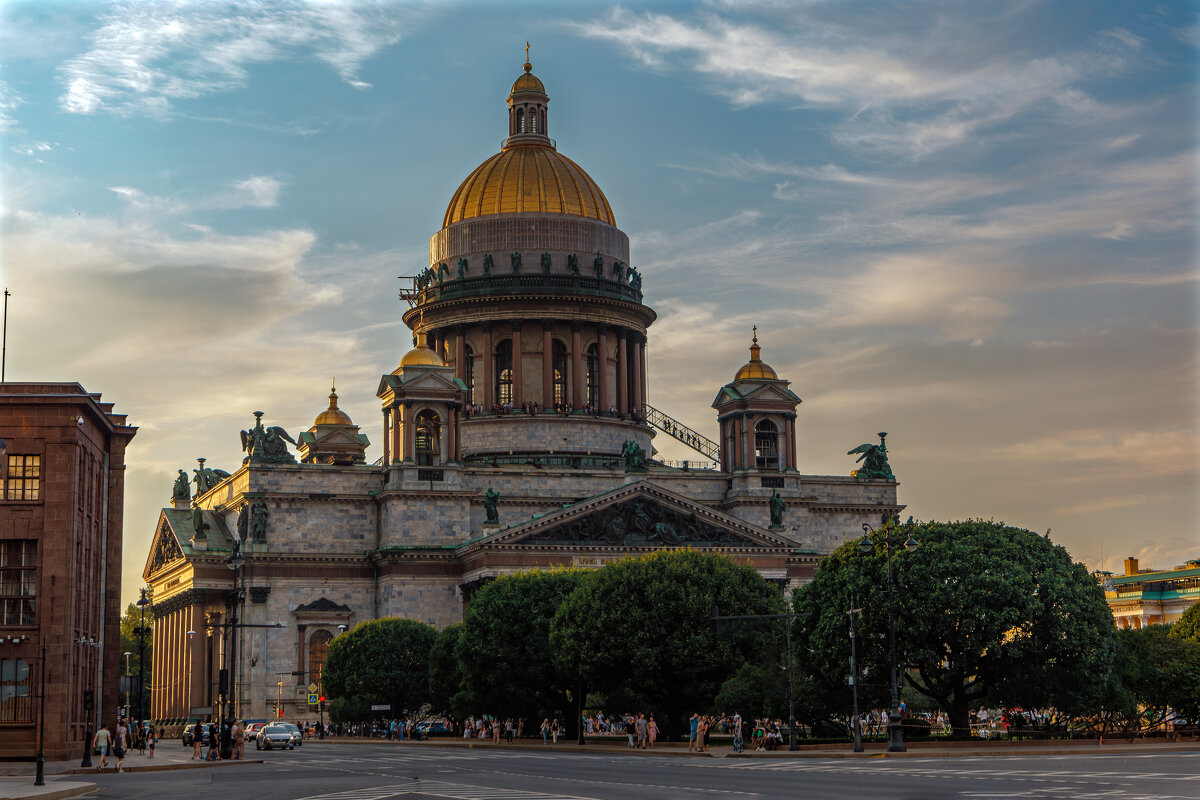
(498, 284)
(673, 427)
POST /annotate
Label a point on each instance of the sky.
(971, 225)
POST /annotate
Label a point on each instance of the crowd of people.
(143, 737)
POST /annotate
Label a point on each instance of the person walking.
(737, 733)
(101, 742)
(554, 729)
(239, 740)
(642, 727)
(214, 745)
(119, 742)
(197, 740)
(151, 740)
(652, 730)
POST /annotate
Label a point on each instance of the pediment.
(166, 546)
(638, 515)
(322, 605)
(337, 436)
(768, 392)
(439, 381)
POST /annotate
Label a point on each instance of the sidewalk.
(965, 749)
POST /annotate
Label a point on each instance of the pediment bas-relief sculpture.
(639, 522)
(166, 548)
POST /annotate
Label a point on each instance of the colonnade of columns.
(738, 449)
(178, 664)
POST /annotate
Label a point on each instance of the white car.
(297, 736)
(272, 736)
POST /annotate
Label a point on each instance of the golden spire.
(333, 385)
(754, 348)
(528, 66)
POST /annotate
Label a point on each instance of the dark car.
(189, 734)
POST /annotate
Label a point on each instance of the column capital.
(460, 329)
(576, 326)
(487, 327)
(516, 324)
(547, 324)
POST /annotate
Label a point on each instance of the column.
(489, 361)
(781, 448)
(397, 426)
(645, 378)
(460, 365)
(387, 437)
(747, 450)
(791, 441)
(456, 413)
(547, 365)
(622, 373)
(518, 391)
(639, 394)
(410, 433)
(576, 367)
(602, 365)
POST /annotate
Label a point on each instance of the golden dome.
(528, 82)
(420, 356)
(528, 177)
(755, 369)
(333, 415)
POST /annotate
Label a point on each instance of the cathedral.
(515, 434)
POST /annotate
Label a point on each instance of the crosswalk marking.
(456, 791)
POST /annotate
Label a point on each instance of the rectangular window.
(18, 577)
(24, 478)
(16, 699)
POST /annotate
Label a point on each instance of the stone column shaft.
(518, 392)
(547, 367)
(602, 365)
(576, 369)
(489, 360)
(622, 373)
(460, 364)
(639, 396)
(387, 437)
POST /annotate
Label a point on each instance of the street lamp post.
(235, 560)
(715, 616)
(895, 728)
(40, 778)
(141, 632)
(127, 679)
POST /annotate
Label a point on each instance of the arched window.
(559, 363)
(533, 128)
(504, 362)
(318, 652)
(468, 356)
(520, 121)
(593, 376)
(429, 438)
(766, 441)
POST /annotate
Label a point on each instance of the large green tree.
(641, 628)
(1188, 625)
(508, 667)
(983, 611)
(379, 662)
(140, 657)
(447, 694)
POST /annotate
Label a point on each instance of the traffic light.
(322, 698)
(281, 712)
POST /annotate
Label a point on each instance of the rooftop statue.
(635, 279)
(258, 521)
(573, 263)
(777, 507)
(206, 478)
(182, 489)
(442, 271)
(545, 262)
(874, 460)
(634, 455)
(598, 264)
(490, 499)
(619, 271)
(516, 261)
(266, 445)
(462, 266)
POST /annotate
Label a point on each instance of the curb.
(165, 767)
(69, 791)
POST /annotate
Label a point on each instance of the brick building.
(61, 511)
(516, 433)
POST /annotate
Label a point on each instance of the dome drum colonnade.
(529, 299)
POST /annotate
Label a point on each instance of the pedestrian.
(508, 730)
(239, 740)
(554, 728)
(213, 746)
(119, 742)
(642, 728)
(737, 733)
(151, 740)
(545, 729)
(629, 729)
(100, 742)
(702, 735)
(693, 724)
(652, 730)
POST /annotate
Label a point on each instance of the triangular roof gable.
(770, 391)
(614, 519)
(167, 546)
(441, 381)
(339, 435)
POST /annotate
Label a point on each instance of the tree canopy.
(1188, 625)
(381, 661)
(131, 620)
(641, 628)
(507, 664)
(983, 611)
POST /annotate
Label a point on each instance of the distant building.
(1144, 597)
(62, 489)
(515, 434)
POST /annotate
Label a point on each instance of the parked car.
(272, 736)
(432, 728)
(253, 728)
(189, 734)
(297, 736)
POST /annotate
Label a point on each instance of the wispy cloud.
(257, 191)
(145, 57)
(10, 101)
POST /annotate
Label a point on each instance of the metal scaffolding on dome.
(676, 429)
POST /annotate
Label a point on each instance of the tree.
(504, 649)
(1188, 626)
(641, 627)
(381, 661)
(1153, 672)
(131, 620)
(754, 692)
(983, 611)
(447, 689)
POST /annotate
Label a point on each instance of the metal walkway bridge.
(693, 439)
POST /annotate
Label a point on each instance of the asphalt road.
(410, 772)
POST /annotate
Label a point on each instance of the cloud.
(146, 57)
(911, 96)
(10, 101)
(257, 191)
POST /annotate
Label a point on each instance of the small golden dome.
(333, 415)
(420, 356)
(528, 177)
(528, 82)
(755, 369)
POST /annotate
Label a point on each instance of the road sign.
(312, 698)
(381, 708)
(312, 689)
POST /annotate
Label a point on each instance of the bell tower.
(528, 107)
(757, 417)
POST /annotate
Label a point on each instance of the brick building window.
(16, 699)
(23, 480)
(18, 576)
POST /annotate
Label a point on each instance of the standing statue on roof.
(182, 489)
(490, 499)
(598, 265)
